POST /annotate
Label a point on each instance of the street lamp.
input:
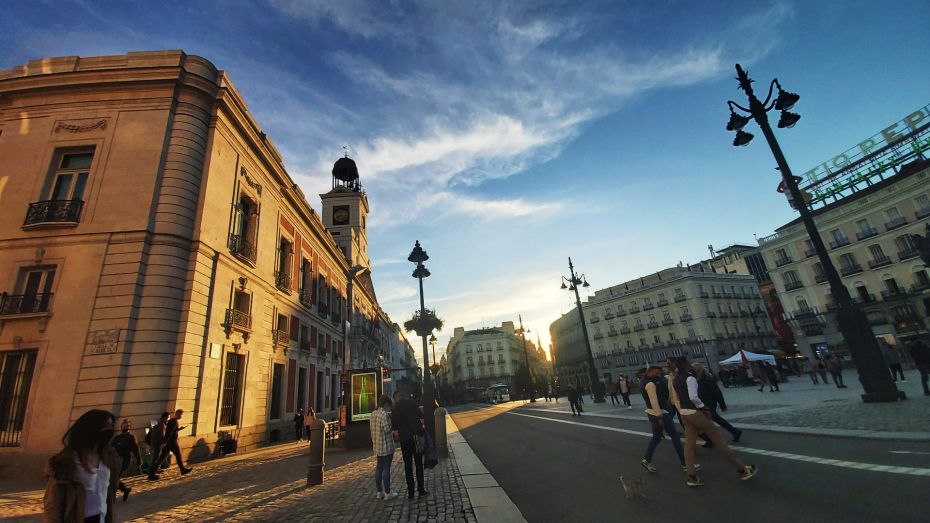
(596, 386)
(424, 329)
(852, 322)
(526, 360)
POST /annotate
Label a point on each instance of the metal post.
(442, 446)
(526, 360)
(428, 396)
(853, 324)
(317, 453)
(592, 370)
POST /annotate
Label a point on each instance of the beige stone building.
(155, 254)
(478, 358)
(676, 312)
(868, 238)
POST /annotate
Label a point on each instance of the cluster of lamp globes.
(783, 103)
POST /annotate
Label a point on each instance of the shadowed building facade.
(155, 254)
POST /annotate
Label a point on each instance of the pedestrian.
(126, 446)
(624, 385)
(170, 445)
(836, 370)
(83, 477)
(299, 425)
(309, 418)
(712, 397)
(407, 422)
(614, 400)
(822, 370)
(892, 357)
(921, 354)
(811, 369)
(771, 375)
(555, 393)
(697, 419)
(658, 409)
(155, 440)
(382, 438)
(573, 401)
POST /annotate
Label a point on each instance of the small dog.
(634, 487)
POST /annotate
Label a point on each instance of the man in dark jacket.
(921, 354)
(170, 445)
(712, 397)
(407, 421)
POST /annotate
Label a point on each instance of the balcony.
(919, 287)
(881, 261)
(621, 312)
(841, 242)
(686, 317)
(280, 337)
(243, 249)
(238, 319)
(594, 319)
(680, 298)
(810, 253)
(743, 314)
(793, 285)
(322, 309)
(893, 294)
(719, 335)
(598, 336)
(704, 295)
(820, 277)
(922, 213)
(860, 299)
(804, 313)
(781, 262)
(908, 253)
(611, 332)
(894, 223)
(609, 316)
(724, 314)
(634, 309)
(866, 233)
(54, 213)
(711, 314)
(851, 269)
(715, 295)
(639, 328)
(16, 304)
(624, 330)
(653, 325)
(726, 294)
(282, 280)
(305, 297)
(306, 345)
(648, 306)
(668, 321)
(662, 302)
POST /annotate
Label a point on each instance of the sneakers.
(697, 468)
(737, 436)
(389, 496)
(747, 472)
(648, 466)
(694, 481)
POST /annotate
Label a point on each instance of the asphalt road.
(556, 467)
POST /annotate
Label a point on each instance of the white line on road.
(911, 471)
(907, 452)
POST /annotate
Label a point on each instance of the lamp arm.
(733, 104)
(772, 85)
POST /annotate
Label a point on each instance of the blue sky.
(507, 136)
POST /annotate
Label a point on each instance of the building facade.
(868, 235)
(157, 255)
(676, 312)
(476, 359)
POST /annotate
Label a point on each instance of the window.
(781, 257)
(894, 218)
(16, 370)
(302, 388)
(468, 348)
(791, 278)
(306, 282)
(64, 194)
(809, 248)
(276, 377)
(848, 261)
(818, 272)
(839, 239)
(802, 304)
(922, 204)
(242, 239)
(691, 332)
(232, 389)
(877, 253)
(500, 359)
(33, 292)
(891, 287)
(906, 246)
(892, 213)
(282, 276)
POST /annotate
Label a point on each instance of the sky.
(509, 136)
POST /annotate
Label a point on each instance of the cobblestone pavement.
(271, 486)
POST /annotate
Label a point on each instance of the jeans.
(172, 448)
(383, 473)
(626, 398)
(896, 368)
(696, 424)
(408, 450)
(669, 428)
(838, 379)
(614, 400)
(924, 376)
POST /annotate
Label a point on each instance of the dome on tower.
(345, 169)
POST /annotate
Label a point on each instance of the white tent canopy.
(744, 355)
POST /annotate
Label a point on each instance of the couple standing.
(400, 419)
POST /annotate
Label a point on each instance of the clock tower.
(345, 211)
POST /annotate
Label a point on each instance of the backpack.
(123, 444)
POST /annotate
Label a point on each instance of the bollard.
(317, 453)
(442, 447)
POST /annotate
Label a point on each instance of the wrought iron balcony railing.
(880, 261)
(282, 280)
(836, 244)
(849, 270)
(280, 337)
(792, 285)
(779, 262)
(894, 223)
(866, 233)
(686, 317)
(239, 319)
(680, 297)
(243, 248)
(11, 304)
(58, 212)
(908, 253)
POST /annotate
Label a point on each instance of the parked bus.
(497, 393)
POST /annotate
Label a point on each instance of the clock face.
(340, 216)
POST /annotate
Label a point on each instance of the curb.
(488, 500)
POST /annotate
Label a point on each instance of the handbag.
(419, 443)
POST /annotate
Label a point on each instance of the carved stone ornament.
(81, 128)
(252, 183)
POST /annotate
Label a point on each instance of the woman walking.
(82, 478)
(382, 439)
(625, 391)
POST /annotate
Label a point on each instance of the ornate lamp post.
(424, 329)
(526, 361)
(853, 323)
(596, 386)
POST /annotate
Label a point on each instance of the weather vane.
(345, 151)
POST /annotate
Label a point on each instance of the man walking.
(655, 392)
(697, 419)
(573, 401)
(712, 397)
(407, 423)
(126, 446)
(811, 369)
(155, 440)
(822, 370)
(299, 425)
(892, 358)
(921, 354)
(170, 445)
(613, 395)
(836, 370)
(382, 440)
(624, 385)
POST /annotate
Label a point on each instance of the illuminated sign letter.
(812, 175)
(841, 161)
(890, 134)
(914, 118)
(866, 146)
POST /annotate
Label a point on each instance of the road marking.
(910, 471)
(907, 452)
